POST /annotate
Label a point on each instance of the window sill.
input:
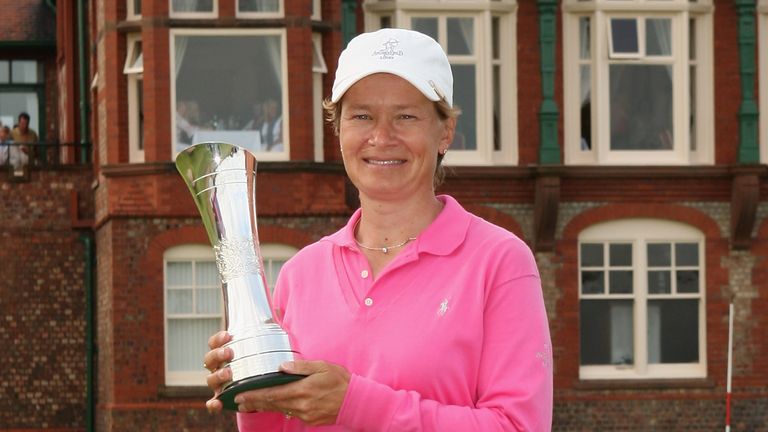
(645, 384)
(184, 392)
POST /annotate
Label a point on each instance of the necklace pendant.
(385, 250)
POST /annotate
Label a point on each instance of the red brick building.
(621, 139)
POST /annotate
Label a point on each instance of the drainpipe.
(83, 69)
(90, 253)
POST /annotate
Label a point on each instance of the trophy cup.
(222, 179)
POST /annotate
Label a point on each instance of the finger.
(217, 379)
(303, 367)
(214, 406)
(214, 358)
(219, 339)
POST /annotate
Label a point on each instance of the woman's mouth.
(383, 162)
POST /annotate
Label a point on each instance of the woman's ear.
(449, 131)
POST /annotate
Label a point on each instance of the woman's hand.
(315, 400)
(213, 361)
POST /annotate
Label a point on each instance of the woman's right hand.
(213, 361)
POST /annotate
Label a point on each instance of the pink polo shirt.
(451, 336)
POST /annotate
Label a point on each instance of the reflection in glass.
(641, 107)
(192, 6)
(606, 332)
(620, 254)
(687, 281)
(461, 40)
(659, 282)
(592, 282)
(620, 282)
(624, 35)
(658, 40)
(659, 255)
(687, 254)
(258, 5)
(591, 254)
(673, 331)
(464, 98)
(426, 25)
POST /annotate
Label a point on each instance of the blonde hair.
(444, 112)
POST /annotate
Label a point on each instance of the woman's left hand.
(315, 400)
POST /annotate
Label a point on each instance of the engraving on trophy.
(236, 257)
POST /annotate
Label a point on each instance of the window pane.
(687, 254)
(641, 107)
(11, 104)
(428, 26)
(179, 274)
(207, 301)
(586, 106)
(620, 282)
(620, 254)
(692, 39)
(5, 74)
(658, 41)
(259, 5)
(206, 273)
(464, 97)
(461, 40)
(229, 88)
(692, 105)
(673, 331)
(624, 35)
(188, 342)
(659, 255)
(591, 254)
(23, 72)
(495, 42)
(606, 332)
(584, 39)
(140, 107)
(687, 281)
(385, 22)
(659, 282)
(137, 7)
(592, 282)
(179, 301)
(192, 5)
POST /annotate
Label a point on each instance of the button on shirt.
(464, 299)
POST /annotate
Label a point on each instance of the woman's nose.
(382, 133)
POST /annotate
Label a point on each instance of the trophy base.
(227, 397)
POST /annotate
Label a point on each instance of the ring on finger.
(288, 414)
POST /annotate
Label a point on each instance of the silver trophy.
(222, 179)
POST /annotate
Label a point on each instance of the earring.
(443, 151)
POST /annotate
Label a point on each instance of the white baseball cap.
(413, 56)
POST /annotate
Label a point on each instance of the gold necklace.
(384, 249)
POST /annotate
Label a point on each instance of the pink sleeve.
(515, 380)
(253, 422)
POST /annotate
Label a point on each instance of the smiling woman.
(403, 315)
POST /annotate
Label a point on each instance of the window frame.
(681, 12)
(318, 70)
(762, 24)
(131, 14)
(135, 77)
(280, 13)
(38, 118)
(317, 13)
(655, 231)
(282, 34)
(214, 13)
(400, 14)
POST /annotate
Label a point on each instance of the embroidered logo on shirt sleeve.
(545, 356)
(443, 307)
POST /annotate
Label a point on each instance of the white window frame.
(214, 13)
(204, 253)
(762, 17)
(600, 12)
(317, 13)
(640, 232)
(134, 71)
(263, 156)
(131, 11)
(277, 14)
(319, 68)
(400, 14)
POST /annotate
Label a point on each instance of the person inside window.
(416, 315)
(272, 127)
(22, 134)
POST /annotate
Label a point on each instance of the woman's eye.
(407, 116)
(361, 117)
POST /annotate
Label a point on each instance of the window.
(646, 69)
(228, 85)
(134, 70)
(194, 308)
(318, 70)
(316, 10)
(479, 39)
(134, 9)
(762, 45)
(641, 302)
(21, 90)
(259, 8)
(194, 8)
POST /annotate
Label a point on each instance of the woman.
(416, 315)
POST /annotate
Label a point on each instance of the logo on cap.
(388, 52)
